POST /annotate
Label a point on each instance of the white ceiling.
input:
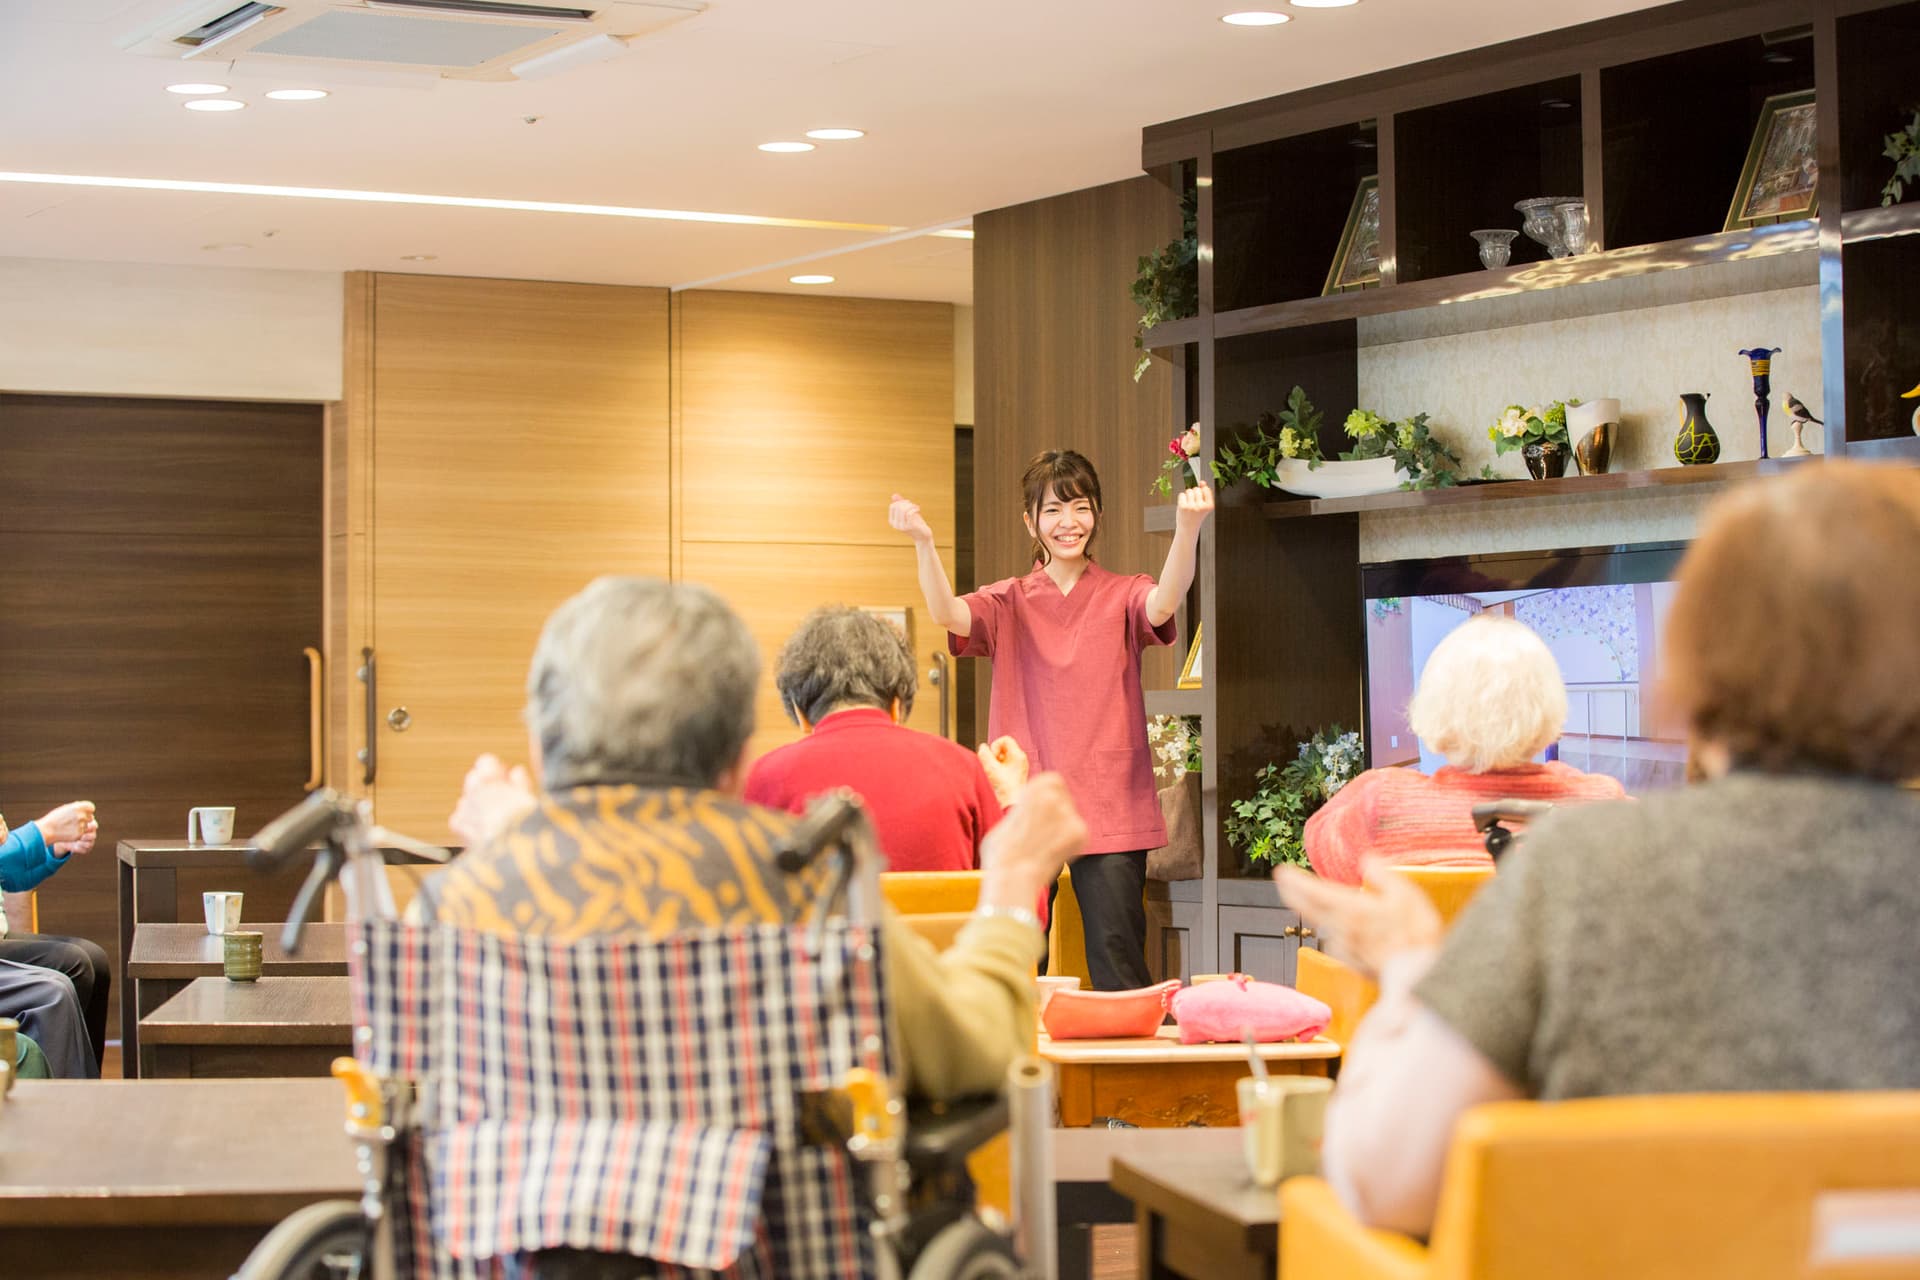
(967, 108)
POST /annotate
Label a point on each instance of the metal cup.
(223, 911)
(241, 956)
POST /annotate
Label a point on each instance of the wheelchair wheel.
(325, 1241)
(966, 1250)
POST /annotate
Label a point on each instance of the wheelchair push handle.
(1489, 816)
(828, 824)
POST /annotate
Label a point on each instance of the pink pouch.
(1107, 1015)
(1222, 1011)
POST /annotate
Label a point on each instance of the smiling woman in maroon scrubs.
(1066, 641)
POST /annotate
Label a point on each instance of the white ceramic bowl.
(1340, 479)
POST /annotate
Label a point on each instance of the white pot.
(1340, 479)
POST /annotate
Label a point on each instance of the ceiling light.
(189, 90)
(230, 246)
(296, 95)
(1255, 18)
(451, 202)
(418, 257)
(786, 148)
(954, 233)
(809, 279)
(1322, 4)
(214, 104)
(836, 135)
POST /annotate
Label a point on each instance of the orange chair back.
(1451, 888)
(918, 893)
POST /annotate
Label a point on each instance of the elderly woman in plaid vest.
(640, 705)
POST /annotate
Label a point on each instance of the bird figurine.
(1909, 395)
(1801, 417)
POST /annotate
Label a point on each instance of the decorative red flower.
(1173, 447)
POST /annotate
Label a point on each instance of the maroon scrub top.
(1066, 687)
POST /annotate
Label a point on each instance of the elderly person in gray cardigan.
(1643, 948)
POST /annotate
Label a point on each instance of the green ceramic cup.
(9, 1053)
(242, 956)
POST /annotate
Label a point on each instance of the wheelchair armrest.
(944, 1134)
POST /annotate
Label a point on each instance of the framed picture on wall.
(1780, 181)
(1190, 672)
(899, 616)
(1356, 263)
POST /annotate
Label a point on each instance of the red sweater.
(1407, 817)
(929, 798)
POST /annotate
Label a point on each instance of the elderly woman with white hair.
(1490, 699)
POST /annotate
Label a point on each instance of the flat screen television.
(1601, 610)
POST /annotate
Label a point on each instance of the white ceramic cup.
(1050, 985)
(223, 911)
(1281, 1122)
(210, 824)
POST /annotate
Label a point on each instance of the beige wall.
(121, 328)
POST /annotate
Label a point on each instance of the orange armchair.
(1692, 1187)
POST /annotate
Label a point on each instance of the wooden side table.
(1159, 1083)
(273, 1027)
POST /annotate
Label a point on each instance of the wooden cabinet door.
(518, 451)
(1261, 942)
(1173, 935)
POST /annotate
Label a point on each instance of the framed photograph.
(1781, 178)
(899, 616)
(1356, 263)
(1190, 673)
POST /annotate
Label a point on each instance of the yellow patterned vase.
(1696, 445)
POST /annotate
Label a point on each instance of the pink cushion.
(1099, 1015)
(1216, 1011)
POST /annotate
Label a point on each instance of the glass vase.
(1496, 246)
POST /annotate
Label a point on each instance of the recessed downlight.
(214, 104)
(296, 95)
(809, 279)
(1322, 4)
(1255, 18)
(225, 246)
(786, 148)
(836, 135)
(193, 90)
(419, 257)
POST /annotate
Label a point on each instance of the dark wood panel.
(185, 467)
(150, 650)
(1053, 344)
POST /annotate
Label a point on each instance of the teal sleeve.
(25, 859)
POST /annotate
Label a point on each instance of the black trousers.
(1114, 916)
(83, 962)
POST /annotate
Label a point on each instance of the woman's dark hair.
(842, 656)
(1070, 476)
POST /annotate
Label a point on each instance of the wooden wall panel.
(800, 417)
(519, 449)
(1053, 369)
(773, 587)
(796, 420)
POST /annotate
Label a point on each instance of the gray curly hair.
(842, 656)
(637, 678)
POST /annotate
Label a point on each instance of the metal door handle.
(316, 691)
(369, 755)
(941, 678)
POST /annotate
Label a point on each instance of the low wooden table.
(150, 893)
(1159, 1083)
(1200, 1216)
(151, 1178)
(273, 1027)
(166, 957)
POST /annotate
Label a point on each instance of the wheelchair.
(518, 1143)
(1491, 819)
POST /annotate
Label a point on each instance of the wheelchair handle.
(827, 824)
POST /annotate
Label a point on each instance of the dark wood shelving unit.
(1648, 117)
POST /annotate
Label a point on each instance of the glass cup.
(241, 956)
(1281, 1122)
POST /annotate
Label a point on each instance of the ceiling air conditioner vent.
(457, 39)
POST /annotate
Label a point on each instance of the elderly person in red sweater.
(847, 679)
(1490, 699)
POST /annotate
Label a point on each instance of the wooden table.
(273, 1027)
(1158, 1083)
(150, 893)
(1199, 1215)
(161, 1178)
(1083, 1163)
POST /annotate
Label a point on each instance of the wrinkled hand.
(492, 796)
(905, 516)
(1366, 926)
(1023, 854)
(1193, 508)
(71, 828)
(1006, 766)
